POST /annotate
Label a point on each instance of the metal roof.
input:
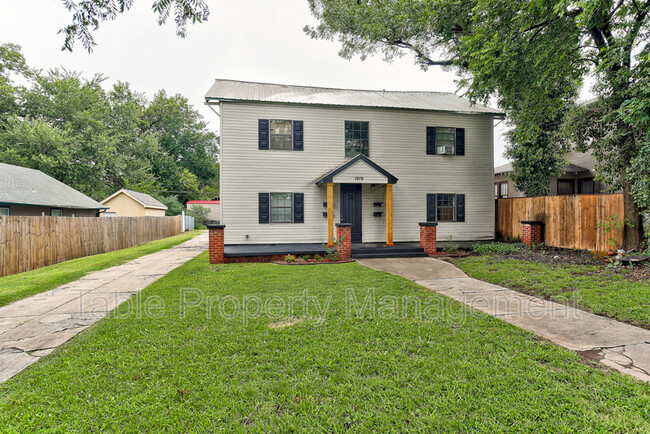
(23, 186)
(146, 200)
(233, 90)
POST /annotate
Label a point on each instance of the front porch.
(359, 250)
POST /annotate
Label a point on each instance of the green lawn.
(321, 348)
(21, 285)
(594, 288)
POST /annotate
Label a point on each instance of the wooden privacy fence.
(27, 243)
(569, 221)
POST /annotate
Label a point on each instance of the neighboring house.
(214, 206)
(296, 159)
(128, 203)
(30, 192)
(578, 178)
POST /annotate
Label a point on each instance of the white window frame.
(8, 211)
(284, 207)
(271, 121)
(453, 207)
(52, 210)
(444, 149)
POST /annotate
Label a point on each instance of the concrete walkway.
(615, 344)
(33, 327)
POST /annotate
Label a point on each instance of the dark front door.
(351, 208)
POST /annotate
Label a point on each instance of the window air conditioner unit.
(444, 151)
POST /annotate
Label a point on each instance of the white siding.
(397, 143)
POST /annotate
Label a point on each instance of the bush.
(317, 257)
(289, 258)
(174, 207)
(496, 248)
(305, 258)
(200, 214)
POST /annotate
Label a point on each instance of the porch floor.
(359, 250)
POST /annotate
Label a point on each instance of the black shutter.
(432, 205)
(298, 207)
(460, 141)
(460, 207)
(431, 140)
(263, 133)
(264, 207)
(297, 136)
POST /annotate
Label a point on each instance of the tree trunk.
(633, 230)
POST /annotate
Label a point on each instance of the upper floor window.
(501, 189)
(281, 136)
(446, 140)
(357, 138)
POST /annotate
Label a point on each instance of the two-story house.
(295, 160)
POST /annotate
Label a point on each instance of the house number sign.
(358, 178)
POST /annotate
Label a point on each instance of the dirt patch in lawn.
(286, 322)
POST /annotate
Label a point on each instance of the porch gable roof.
(362, 162)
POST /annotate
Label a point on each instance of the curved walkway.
(33, 327)
(615, 344)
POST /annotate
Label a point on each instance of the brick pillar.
(531, 232)
(216, 243)
(344, 232)
(428, 241)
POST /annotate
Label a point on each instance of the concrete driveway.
(618, 345)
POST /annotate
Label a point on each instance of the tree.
(88, 14)
(532, 56)
(12, 63)
(174, 207)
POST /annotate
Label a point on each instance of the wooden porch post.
(389, 215)
(330, 214)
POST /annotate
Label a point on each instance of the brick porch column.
(531, 232)
(428, 241)
(216, 243)
(344, 232)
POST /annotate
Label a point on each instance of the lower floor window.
(56, 212)
(446, 206)
(4, 211)
(281, 207)
(586, 186)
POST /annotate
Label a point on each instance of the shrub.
(305, 258)
(317, 257)
(496, 248)
(449, 247)
(200, 214)
(289, 258)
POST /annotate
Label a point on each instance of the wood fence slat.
(569, 221)
(27, 243)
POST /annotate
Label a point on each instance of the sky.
(252, 40)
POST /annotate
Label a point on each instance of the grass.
(182, 355)
(596, 289)
(21, 285)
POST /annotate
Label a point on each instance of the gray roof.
(146, 200)
(507, 168)
(23, 186)
(232, 90)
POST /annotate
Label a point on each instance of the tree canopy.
(87, 15)
(98, 141)
(532, 57)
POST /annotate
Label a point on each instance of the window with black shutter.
(297, 136)
(263, 134)
(431, 208)
(263, 207)
(431, 140)
(298, 207)
(460, 141)
(460, 207)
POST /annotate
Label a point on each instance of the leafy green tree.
(174, 207)
(189, 163)
(87, 15)
(200, 214)
(532, 56)
(12, 63)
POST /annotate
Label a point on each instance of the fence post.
(428, 237)
(216, 243)
(531, 232)
(344, 240)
